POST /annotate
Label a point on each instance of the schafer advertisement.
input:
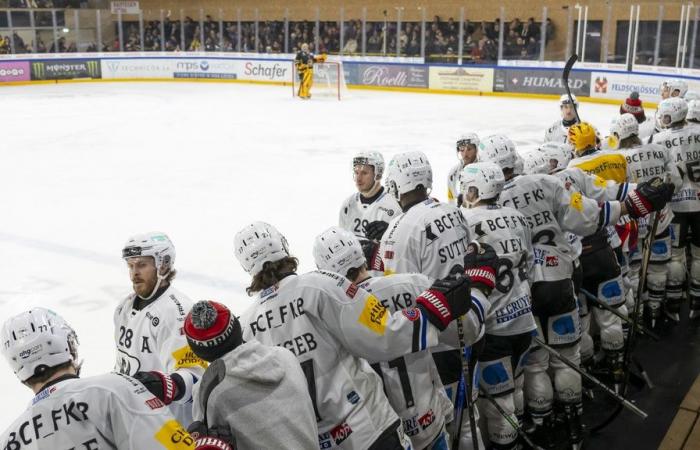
(535, 81)
(67, 69)
(461, 78)
(386, 75)
(14, 71)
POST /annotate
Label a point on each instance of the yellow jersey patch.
(174, 437)
(184, 357)
(599, 182)
(374, 316)
(609, 166)
(449, 195)
(576, 201)
(388, 272)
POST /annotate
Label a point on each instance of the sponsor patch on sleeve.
(599, 182)
(351, 290)
(184, 357)
(576, 201)
(389, 254)
(154, 403)
(411, 313)
(174, 437)
(374, 316)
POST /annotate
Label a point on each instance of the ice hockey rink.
(86, 165)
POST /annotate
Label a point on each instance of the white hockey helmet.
(557, 155)
(257, 244)
(486, 178)
(370, 158)
(155, 244)
(468, 139)
(36, 340)
(338, 250)
(565, 100)
(407, 171)
(534, 162)
(677, 85)
(625, 126)
(692, 95)
(500, 150)
(693, 110)
(672, 110)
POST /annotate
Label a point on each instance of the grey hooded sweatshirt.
(263, 398)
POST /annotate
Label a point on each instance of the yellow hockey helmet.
(583, 136)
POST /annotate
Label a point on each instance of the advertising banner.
(540, 81)
(386, 75)
(138, 68)
(258, 70)
(14, 71)
(125, 7)
(461, 78)
(66, 69)
(620, 85)
(205, 68)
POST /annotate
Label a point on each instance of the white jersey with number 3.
(357, 212)
(508, 232)
(153, 339)
(333, 328)
(550, 211)
(684, 146)
(110, 411)
(411, 382)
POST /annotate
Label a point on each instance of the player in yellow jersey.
(304, 62)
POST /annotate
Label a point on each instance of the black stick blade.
(569, 64)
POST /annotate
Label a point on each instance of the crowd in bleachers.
(522, 40)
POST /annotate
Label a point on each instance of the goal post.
(328, 80)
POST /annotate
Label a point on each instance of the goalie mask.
(36, 340)
(481, 181)
(338, 250)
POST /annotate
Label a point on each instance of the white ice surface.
(83, 166)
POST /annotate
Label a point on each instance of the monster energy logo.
(66, 70)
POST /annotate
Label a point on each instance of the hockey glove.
(167, 387)
(445, 300)
(211, 443)
(648, 197)
(371, 251)
(480, 265)
(375, 230)
(214, 438)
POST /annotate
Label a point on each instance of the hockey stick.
(466, 376)
(623, 401)
(567, 70)
(640, 327)
(509, 419)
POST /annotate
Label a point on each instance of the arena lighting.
(65, 30)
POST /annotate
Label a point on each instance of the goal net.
(328, 81)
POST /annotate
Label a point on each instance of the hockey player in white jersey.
(367, 212)
(509, 321)
(431, 238)
(411, 382)
(105, 411)
(467, 145)
(331, 325)
(151, 346)
(673, 87)
(683, 142)
(558, 132)
(644, 162)
(550, 211)
(693, 116)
